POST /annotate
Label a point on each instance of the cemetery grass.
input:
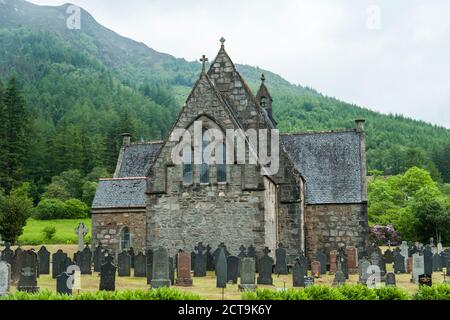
(65, 232)
(204, 287)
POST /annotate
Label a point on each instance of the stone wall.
(106, 228)
(332, 225)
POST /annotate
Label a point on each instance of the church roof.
(120, 193)
(330, 163)
(138, 158)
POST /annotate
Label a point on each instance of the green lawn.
(65, 232)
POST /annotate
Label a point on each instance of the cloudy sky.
(389, 56)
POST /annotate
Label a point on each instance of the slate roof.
(120, 193)
(137, 159)
(330, 162)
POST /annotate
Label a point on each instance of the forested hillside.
(82, 88)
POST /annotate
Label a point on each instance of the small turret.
(265, 99)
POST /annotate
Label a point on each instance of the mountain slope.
(97, 82)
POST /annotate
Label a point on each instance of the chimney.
(360, 125)
(126, 139)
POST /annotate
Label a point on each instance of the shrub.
(391, 293)
(75, 209)
(323, 293)
(49, 233)
(436, 292)
(357, 292)
(49, 209)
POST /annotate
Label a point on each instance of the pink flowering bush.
(381, 235)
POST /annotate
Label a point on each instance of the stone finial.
(360, 125)
(126, 139)
(204, 60)
(222, 41)
(263, 78)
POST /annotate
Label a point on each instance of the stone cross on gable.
(222, 41)
(81, 231)
(204, 60)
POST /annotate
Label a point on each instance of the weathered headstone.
(124, 264)
(98, 258)
(409, 265)
(404, 248)
(428, 260)
(200, 261)
(7, 255)
(221, 269)
(58, 263)
(342, 262)
(389, 256)
(44, 260)
(232, 269)
(333, 261)
(217, 252)
(425, 280)
(16, 267)
(309, 282)
(140, 265)
(448, 268)
(363, 267)
(209, 259)
(437, 263)
(322, 258)
(108, 275)
(242, 252)
(298, 273)
(131, 253)
(251, 253)
(439, 248)
(5, 277)
(339, 279)
(184, 278)
(193, 256)
(352, 259)
(280, 262)
(316, 269)
(399, 263)
(28, 272)
(81, 231)
(390, 279)
(418, 267)
(172, 271)
(265, 268)
(160, 276)
(304, 261)
(85, 261)
(248, 275)
(149, 260)
(64, 283)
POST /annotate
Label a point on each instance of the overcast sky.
(389, 56)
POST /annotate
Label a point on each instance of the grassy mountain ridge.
(95, 83)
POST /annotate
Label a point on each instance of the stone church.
(316, 201)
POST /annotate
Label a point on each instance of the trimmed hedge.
(350, 292)
(157, 294)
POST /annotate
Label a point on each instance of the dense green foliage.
(413, 203)
(350, 292)
(157, 294)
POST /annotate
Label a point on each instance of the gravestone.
(251, 253)
(28, 272)
(390, 279)
(280, 262)
(388, 256)
(209, 259)
(418, 267)
(333, 261)
(140, 265)
(217, 252)
(404, 252)
(304, 261)
(425, 280)
(309, 282)
(44, 260)
(439, 248)
(248, 275)
(232, 269)
(265, 268)
(7, 255)
(342, 262)
(98, 258)
(149, 262)
(399, 263)
(172, 271)
(322, 258)
(448, 268)
(81, 231)
(316, 269)
(409, 265)
(193, 256)
(242, 252)
(124, 264)
(363, 267)
(160, 270)
(85, 261)
(352, 259)
(5, 277)
(339, 279)
(64, 283)
(58, 263)
(108, 275)
(16, 267)
(201, 261)
(437, 263)
(184, 278)
(131, 253)
(221, 270)
(375, 260)
(298, 273)
(428, 260)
